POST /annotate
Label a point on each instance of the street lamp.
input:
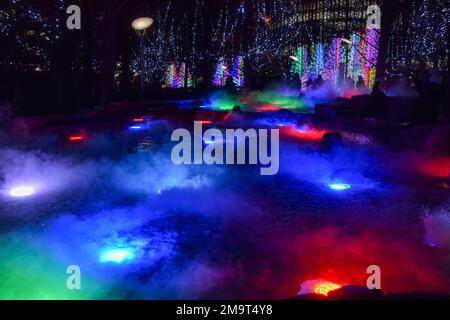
(346, 40)
(140, 25)
(347, 51)
(349, 42)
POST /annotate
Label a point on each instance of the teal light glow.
(117, 255)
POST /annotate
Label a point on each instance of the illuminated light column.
(181, 76)
(373, 38)
(332, 61)
(170, 75)
(189, 79)
(297, 64)
(221, 73)
(238, 72)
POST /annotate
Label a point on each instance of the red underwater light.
(76, 138)
(309, 134)
(268, 108)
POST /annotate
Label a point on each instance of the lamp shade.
(142, 23)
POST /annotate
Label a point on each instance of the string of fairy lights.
(421, 37)
(32, 32)
(242, 35)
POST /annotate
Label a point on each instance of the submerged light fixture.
(119, 255)
(21, 191)
(325, 287)
(339, 186)
(319, 286)
(136, 127)
(209, 141)
(76, 138)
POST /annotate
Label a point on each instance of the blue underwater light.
(209, 141)
(339, 186)
(118, 255)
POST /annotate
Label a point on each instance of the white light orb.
(140, 24)
(21, 191)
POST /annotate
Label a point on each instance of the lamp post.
(352, 45)
(140, 25)
(347, 51)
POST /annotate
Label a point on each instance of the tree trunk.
(89, 93)
(109, 50)
(389, 10)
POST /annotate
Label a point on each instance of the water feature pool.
(140, 227)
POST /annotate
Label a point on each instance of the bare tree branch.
(124, 2)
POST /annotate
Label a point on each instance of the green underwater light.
(32, 270)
